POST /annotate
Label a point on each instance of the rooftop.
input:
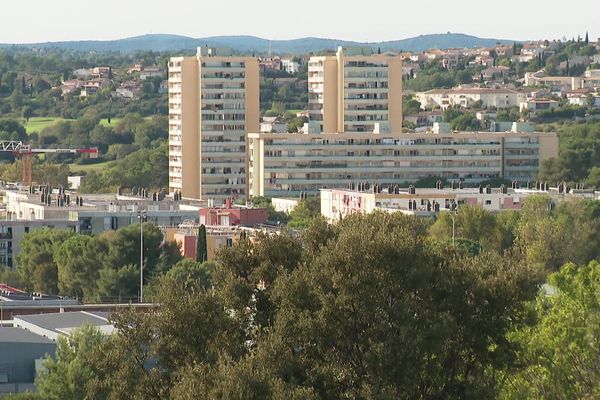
(18, 335)
(67, 321)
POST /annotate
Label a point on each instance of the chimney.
(228, 203)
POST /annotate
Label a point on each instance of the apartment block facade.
(287, 164)
(213, 103)
(355, 93)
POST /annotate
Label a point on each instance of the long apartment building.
(288, 164)
(355, 93)
(213, 103)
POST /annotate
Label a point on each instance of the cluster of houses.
(276, 63)
(487, 57)
(580, 90)
(493, 90)
(88, 82)
(539, 92)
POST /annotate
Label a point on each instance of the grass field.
(36, 124)
(113, 121)
(78, 168)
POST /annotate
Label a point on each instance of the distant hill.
(252, 44)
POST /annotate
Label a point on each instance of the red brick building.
(229, 215)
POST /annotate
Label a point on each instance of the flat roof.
(18, 335)
(66, 320)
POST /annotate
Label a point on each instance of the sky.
(30, 21)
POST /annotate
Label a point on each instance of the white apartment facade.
(489, 98)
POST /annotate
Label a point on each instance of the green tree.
(37, 266)
(79, 260)
(560, 354)
(71, 367)
(368, 308)
(145, 359)
(118, 285)
(473, 223)
(540, 239)
(201, 245)
(366, 319)
(191, 274)
(27, 112)
(304, 212)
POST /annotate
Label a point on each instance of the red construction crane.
(24, 151)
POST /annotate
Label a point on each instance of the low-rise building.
(232, 215)
(493, 73)
(467, 97)
(12, 231)
(25, 340)
(102, 72)
(128, 90)
(186, 235)
(21, 361)
(72, 86)
(273, 125)
(339, 203)
(289, 65)
(541, 79)
(153, 71)
(285, 205)
(534, 105)
(52, 326)
(90, 214)
(270, 63)
(591, 79)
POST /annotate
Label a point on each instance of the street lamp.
(142, 217)
(453, 208)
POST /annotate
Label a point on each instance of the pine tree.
(201, 246)
(587, 38)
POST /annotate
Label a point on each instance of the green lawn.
(36, 124)
(113, 121)
(78, 168)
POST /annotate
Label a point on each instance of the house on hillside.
(153, 71)
(273, 124)
(128, 90)
(534, 105)
(289, 65)
(101, 72)
(72, 86)
(467, 97)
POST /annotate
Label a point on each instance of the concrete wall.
(17, 360)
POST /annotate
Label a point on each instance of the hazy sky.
(362, 20)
